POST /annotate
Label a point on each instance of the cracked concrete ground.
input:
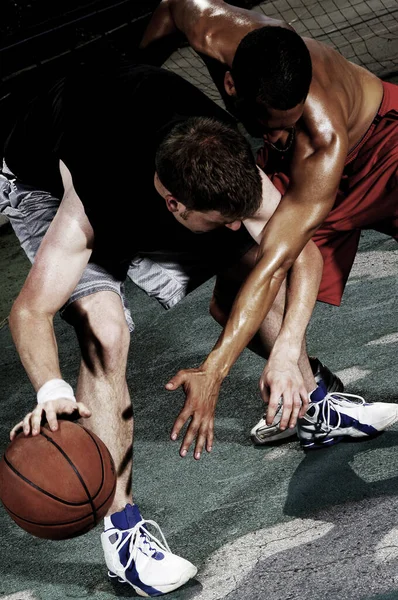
(258, 522)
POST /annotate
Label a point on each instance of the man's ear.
(171, 203)
(229, 84)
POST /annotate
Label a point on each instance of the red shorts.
(367, 197)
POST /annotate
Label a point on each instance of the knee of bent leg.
(102, 330)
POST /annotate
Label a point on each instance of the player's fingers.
(176, 381)
(286, 409)
(26, 424)
(210, 436)
(35, 420)
(295, 410)
(179, 424)
(83, 410)
(273, 404)
(200, 441)
(51, 417)
(15, 429)
(190, 435)
(304, 402)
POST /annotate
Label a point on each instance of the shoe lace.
(329, 404)
(139, 535)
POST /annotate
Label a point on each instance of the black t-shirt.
(106, 127)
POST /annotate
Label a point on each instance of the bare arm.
(212, 27)
(59, 263)
(282, 376)
(302, 290)
(315, 177)
(314, 180)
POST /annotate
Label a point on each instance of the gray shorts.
(168, 277)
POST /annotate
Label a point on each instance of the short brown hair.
(208, 165)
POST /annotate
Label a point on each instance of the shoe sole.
(326, 443)
(164, 589)
(274, 437)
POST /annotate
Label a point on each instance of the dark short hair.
(208, 165)
(272, 65)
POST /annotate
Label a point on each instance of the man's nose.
(235, 225)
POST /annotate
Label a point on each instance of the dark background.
(38, 38)
(36, 32)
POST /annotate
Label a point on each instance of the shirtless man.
(332, 126)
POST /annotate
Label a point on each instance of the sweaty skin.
(343, 100)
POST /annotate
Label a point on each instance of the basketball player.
(80, 188)
(330, 131)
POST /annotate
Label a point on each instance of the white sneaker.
(137, 557)
(336, 416)
(262, 433)
(265, 434)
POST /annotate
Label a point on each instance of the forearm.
(282, 243)
(34, 338)
(302, 290)
(248, 312)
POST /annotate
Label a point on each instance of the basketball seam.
(37, 487)
(100, 455)
(76, 472)
(57, 524)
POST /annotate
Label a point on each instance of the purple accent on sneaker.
(318, 394)
(127, 519)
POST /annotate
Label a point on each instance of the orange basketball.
(57, 485)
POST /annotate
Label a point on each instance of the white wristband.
(55, 389)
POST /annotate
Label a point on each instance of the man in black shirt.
(138, 178)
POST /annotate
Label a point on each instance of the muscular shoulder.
(324, 120)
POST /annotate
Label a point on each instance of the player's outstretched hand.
(50, 409)
(282, 378)
(201, 389)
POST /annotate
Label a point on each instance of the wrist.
(288, 350)
(213, 366)
(54, 389)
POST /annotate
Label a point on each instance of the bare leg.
(226, 288)
(104, 340)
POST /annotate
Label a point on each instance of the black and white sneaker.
(263, 434)
(331, 417)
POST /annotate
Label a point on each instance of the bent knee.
(101, 327)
